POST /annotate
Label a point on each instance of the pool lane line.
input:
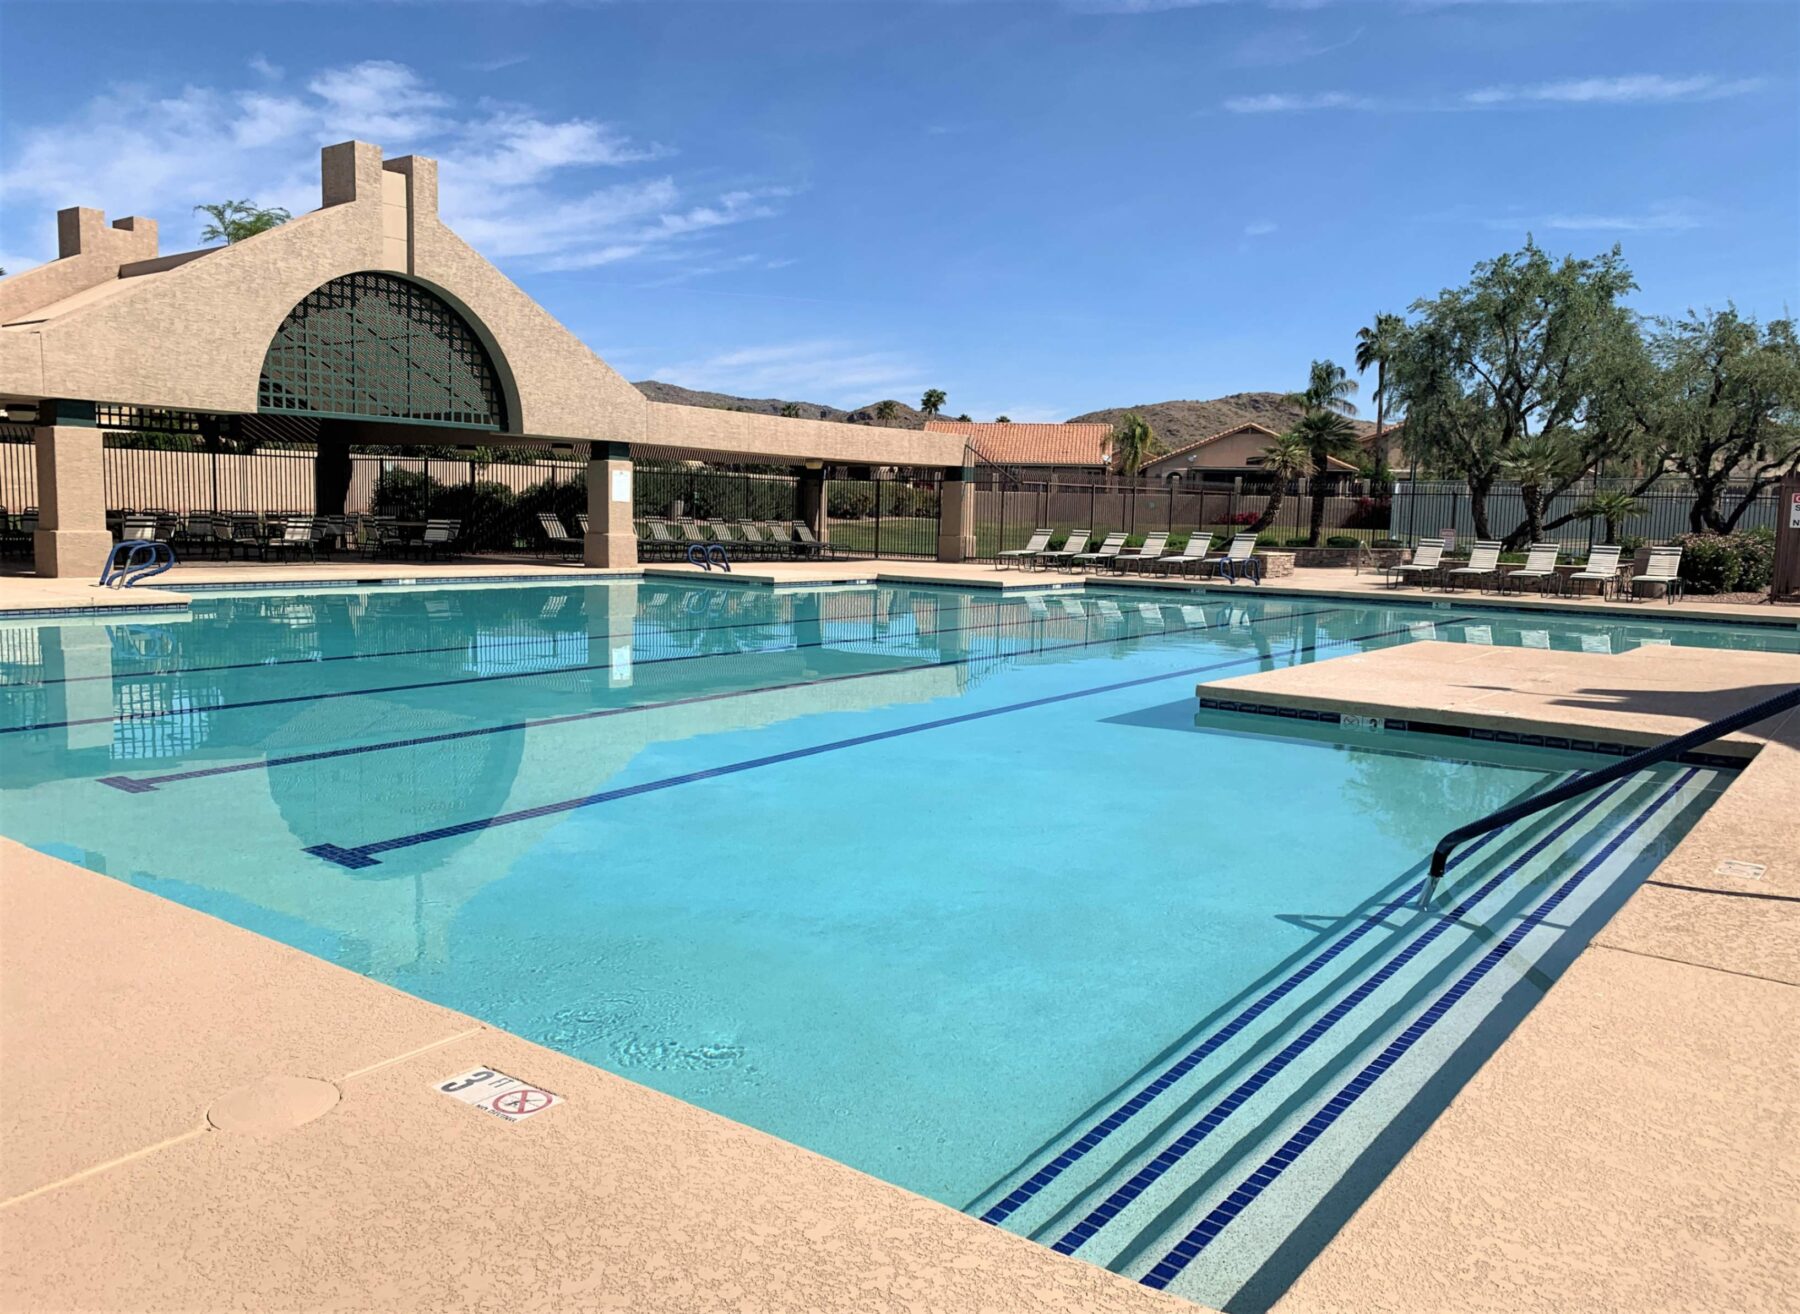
(144, 784)
(1171, 1155)
(1213, 1041)
(1185, 1251)
(465, 646)
(328, 695)
(359, 856)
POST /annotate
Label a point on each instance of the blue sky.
(1041, 209)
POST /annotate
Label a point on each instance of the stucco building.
(366, 320)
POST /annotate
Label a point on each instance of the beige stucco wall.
(193, 337)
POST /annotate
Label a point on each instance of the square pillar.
(72, 539)
(956, 515)
(611, 540)
(812, 500)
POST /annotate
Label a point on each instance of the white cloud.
(518, 184)
(821, 370)
(1661, 217)
(1635, 89)
(1261, 228)
(1279, 103)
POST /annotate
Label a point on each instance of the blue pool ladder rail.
(707, 555)
(1663, 752)
(135, 560)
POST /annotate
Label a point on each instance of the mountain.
(1176, 423)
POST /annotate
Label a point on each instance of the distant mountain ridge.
(1175, 423)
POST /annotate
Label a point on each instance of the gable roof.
(1248, 427)
(1032, 444)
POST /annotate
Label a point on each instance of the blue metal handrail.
(135, 560)
(707, 555)
(1440, 856)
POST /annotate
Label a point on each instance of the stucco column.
(812, 500)
(71, 539)
(611, 541)
(956, 515)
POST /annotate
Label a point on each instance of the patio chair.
(1664, 569)
(1193, 552)
(1152, 551)
(1540, 566)
(1108, 551)
(761, 540)
(296, 537)
(439, 536)
(1602, 569)
(581, 524)
(1428, 560)
(1484, 561)
(139, 526)
(1039, 540)
(376, 535)
(556, 536)
(197, 534)
(809, 544)
(1074, 542)
(724, 532)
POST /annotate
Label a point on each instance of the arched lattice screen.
(374, 346)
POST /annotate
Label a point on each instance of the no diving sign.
(496, 1093)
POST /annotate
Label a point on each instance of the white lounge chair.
(1039, 540)
(1602, 569)
(1484, 559)
(1198, 545)
(1108, 551)
(1151, 551)
(1075, 542)
(1663, 568)
(556, 536)
(1540, 565)
(1428, 559)
(1238, 556)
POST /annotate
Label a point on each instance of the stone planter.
(1276, 564)
(1324, 556)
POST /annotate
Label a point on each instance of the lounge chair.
(657, 537)
(581, 524)
(1664, 568)
(1484, 562)
(1239, 557)
(1152, 551)
(438, 537)
(1039, 540)
(758, 542)
(1108, 551)
(296, 537)
(1194, 551)
(725, 534)
(556, 536)
(1540, 565)
(1602, 569)
(1428, 560)
(810, 544)
(1075, 542)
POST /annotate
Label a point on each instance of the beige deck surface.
(1635, 1145)
(123, 1017)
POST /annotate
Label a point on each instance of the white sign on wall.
(621, 485)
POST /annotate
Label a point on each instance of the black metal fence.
(1426, 508)
(883, 516)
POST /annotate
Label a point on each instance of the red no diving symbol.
(519, 1103)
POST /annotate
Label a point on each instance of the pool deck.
(1634, 1146)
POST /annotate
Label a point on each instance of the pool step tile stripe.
(1093, 1209)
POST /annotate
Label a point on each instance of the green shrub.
(1342, 541)
(1268, 540)
(404, 494)
(1389, 543)
(1299, 540)
(1728, 563)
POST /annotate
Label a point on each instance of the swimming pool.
(960, 889)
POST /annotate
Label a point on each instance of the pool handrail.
(1669, 748)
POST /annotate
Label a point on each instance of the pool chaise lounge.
(1075, 542)
(1192, 552)
(1540, 565)
(1108, 551)
(1151, 552)
(1428, 560)
(1039, 540)
(1484, 563)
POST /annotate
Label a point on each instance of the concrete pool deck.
(1631, 1147)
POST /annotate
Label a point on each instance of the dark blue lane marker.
(1096, 1134)
(1189, 1247)
(1173, 1153)
(361, 855)
(509, 675)
(144, 784)
(468, 645)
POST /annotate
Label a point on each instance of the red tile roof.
(1033, 444)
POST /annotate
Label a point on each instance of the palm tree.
(1285, 459)
(1328, 388)
(1613, 506)
(933, 401)
(1132, 441)
(1537, 463)
(1003, 419)
(1375, 345)
(233, 221)
(1326, 435)
(887, 411)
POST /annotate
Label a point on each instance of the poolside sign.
(496, 1093)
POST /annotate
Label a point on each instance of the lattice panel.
(379, 347)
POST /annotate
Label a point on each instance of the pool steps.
(1187, 1143)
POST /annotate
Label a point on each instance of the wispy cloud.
(1633, 89)
(1284, 103)
(1659, 217)
(1261, 228)
(1286, 45)
(829, 370)
(520, 185)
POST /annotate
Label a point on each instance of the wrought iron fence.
(1426, 508)
(883, 516)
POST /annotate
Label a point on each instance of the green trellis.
(376, 347)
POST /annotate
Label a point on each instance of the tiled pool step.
(1191, 1176)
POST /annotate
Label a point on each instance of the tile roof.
(1032, 444)
(1160, 457)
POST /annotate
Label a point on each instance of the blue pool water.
(959, 889)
